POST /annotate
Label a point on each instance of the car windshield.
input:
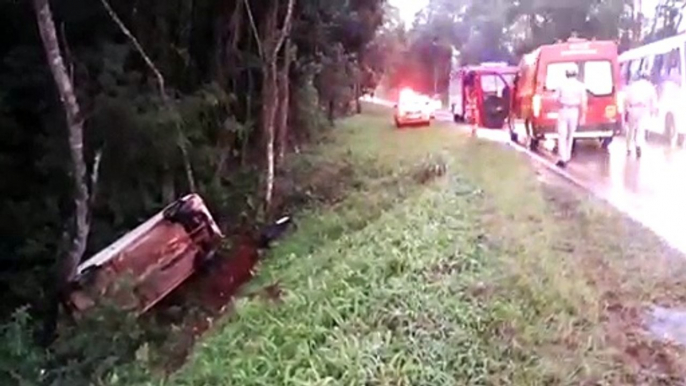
(596, 75)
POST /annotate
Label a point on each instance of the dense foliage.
(197, 105)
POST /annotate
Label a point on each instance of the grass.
(483, 276)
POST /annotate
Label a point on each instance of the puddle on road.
(667, 325)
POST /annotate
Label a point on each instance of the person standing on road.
(640, 104)
(573, 104)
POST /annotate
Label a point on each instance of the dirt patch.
(194, 307)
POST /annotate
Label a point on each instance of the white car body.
(413, 109)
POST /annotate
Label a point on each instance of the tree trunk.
(284, 101)
(269, 44)
(75, 122)
(269, 106)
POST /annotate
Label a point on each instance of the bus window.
(672, 69)
(624, 72)
(634, 69)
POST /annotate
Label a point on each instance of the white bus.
(665, 62)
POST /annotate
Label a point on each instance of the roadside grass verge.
(482, 276)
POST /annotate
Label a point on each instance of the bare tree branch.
(253, 26)
(286, 29)
(139, 48)
(95, 174)
(163, 92)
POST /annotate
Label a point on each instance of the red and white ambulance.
(541, 72)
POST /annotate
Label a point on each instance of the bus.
(664, 61)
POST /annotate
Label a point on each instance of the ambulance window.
(598, 77)
(556, 74)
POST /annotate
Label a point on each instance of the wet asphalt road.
(650, 190)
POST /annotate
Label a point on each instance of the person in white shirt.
(640, 104)
(573, 104)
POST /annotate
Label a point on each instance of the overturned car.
(146, 264)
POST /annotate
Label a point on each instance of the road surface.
(651, 190)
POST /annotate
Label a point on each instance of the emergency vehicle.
(665, 62)
(534, 106)
(480, 95)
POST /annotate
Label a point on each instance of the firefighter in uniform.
(641, 104)
(573, 104)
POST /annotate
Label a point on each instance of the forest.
(111, 109)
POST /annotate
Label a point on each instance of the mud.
(194, 307)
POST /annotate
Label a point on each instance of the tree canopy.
(498, 30)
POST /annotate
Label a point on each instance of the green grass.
(485, 276)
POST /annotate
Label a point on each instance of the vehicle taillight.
(536, 105)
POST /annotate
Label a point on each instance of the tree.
(270, 40)
(75, 122)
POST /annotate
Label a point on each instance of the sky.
(408, 8)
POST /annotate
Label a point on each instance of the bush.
(85, 353)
